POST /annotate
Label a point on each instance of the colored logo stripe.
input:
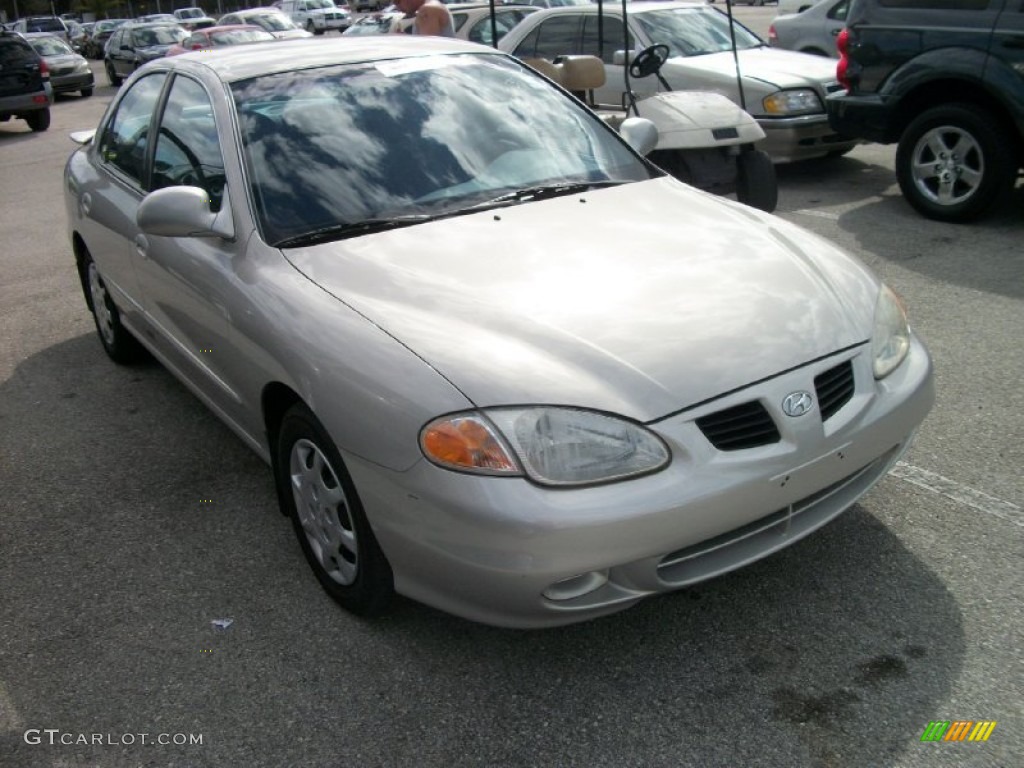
(982, 731)
(958, 730)
(935, 731)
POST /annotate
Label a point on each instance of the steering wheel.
(195, 176)
(649, 60)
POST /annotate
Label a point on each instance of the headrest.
(582, 73)
(548, 69)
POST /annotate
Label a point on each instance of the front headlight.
(553, 446)
(800, 101)
(890, 339)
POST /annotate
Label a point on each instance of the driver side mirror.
(184, 212)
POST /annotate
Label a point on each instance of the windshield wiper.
(543, 192)
(351, 229)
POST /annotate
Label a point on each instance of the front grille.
(834, 388)
(742, 426)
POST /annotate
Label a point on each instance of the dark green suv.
(25, 91)
(944, 79)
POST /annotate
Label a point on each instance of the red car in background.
(215, 37)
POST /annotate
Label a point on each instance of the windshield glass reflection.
(694, 31)
(426, 136)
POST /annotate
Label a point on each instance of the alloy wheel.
(948, 165)
(100, 306)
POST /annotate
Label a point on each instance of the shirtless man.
(431, 17)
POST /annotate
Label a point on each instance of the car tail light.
(44, 71)
(773, 37)
(842, 68)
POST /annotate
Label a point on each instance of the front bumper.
(790, 139)
(867, 117)
(487, 548)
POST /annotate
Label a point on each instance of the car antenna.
(735, 55)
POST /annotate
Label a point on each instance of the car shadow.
(134, 518)
(885, 225)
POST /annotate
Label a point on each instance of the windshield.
(319, 4)
(50, 46)
(190, 13)
(273, 22)
(158, 36)
(693, 31)
(44, 25)
(425, 136)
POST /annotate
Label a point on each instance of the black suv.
(25, 91)
(944, 79)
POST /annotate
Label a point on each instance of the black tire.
(954, 161)
(360, 580)
(112, 76)
(86, 92)
(673, 162)
(118, 343)
(756, 184)
(38, 120)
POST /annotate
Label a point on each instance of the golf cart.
(704, 138)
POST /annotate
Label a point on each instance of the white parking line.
(820, 214)
(936, 483)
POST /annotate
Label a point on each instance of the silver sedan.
(497, 362)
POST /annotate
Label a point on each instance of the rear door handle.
(85, 204)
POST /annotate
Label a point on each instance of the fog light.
(576, 586)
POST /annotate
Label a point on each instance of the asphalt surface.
(836, 653)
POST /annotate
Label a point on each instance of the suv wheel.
(38, 120)
(954, 161)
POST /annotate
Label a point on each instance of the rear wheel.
(954, 161)
(756, 184)
(86, 92)
(39, 120)
(119, 344)
(317, 493)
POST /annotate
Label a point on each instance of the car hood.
(640, 300)
(775, 67)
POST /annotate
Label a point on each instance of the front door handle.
(142, 246)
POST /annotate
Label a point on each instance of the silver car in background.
(497, 362)
(814, 30)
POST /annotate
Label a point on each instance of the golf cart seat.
(549, 69)
(581, 75)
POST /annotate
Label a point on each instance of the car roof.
(241, 62)
(613, 8)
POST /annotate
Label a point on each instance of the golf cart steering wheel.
(649, 60)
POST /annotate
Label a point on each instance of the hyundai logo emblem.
(797, 403)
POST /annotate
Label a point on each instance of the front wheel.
(112, 76)
(954, 161)
(756, 184)
(317, 493)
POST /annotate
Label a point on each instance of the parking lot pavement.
(130, 520)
